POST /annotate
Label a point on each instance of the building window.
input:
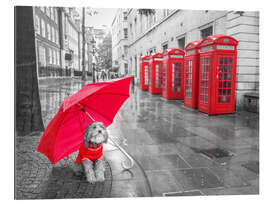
(43, 31)
(125, 33)
(53, 34)
(206, 32)
(48, 32)
(55, 16)
(58, 58)
(50, 55)
(164, 47)
(51, 13)
(182, 43)
(47, 11)
(53, 61)
(42, 56)
(125, 49)
(55, 57)
(56, 37)
(125, 15)
(42, 8)
(37, 25)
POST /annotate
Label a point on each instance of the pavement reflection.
(167, 140)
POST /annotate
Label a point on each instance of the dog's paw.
(91, 180)
(100, 176)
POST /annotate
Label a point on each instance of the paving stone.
(197, 178)
(36, 179)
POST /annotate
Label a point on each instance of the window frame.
(204, 28)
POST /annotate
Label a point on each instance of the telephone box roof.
(219, 39)
(174, 51)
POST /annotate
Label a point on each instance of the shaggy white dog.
(91, 153)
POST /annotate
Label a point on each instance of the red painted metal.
(173, 74)
(191, 74)
(217, 74)
(144, 72)
(155, 74)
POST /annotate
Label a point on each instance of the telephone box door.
(205, 83)
(225, 83)
(177, 68)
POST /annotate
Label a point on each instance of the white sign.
(208, 48)
(191, 52)
(158, 59)
(176, 56)
(225, 47)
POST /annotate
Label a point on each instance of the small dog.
(91, 152)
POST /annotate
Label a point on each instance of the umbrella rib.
(96, 112)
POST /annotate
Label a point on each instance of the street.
(177, 151)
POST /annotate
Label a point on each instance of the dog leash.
(115, 144)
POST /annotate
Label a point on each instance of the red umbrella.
(94, 102)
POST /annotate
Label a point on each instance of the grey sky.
(104, 17)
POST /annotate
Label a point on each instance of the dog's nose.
(99, 131)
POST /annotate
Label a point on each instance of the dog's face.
(95, 133)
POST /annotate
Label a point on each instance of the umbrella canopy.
(94, 102)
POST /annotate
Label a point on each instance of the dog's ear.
(85, 135)
(106, 136)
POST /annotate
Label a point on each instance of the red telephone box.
(191, 75)
(173, 74)
(155, 74)
(144, 72)
(218, 56)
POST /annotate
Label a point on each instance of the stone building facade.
(59, 42)
(176, 28)
(120, 41)
(47, 37)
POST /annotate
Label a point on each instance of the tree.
(28, 110)
(105, 52)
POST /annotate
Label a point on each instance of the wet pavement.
(177, 151)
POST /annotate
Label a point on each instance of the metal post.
(83, 45)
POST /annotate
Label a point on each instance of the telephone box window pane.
(224, 84)
(220, 92)
(224, 99)
(220, 68)
(230, 68)
(229, 92)
(225, 76)
(228, 99)
(229, 84)
(224, 91)
(225, 60)
(221, 60)
(225, 68)
(230, 60)
(220, 84)
(220, 76)
(146, 75)
(229, 76)
(219, 99)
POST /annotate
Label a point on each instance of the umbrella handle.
(126, 154)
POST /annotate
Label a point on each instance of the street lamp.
(93, 42)
(91, 13)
